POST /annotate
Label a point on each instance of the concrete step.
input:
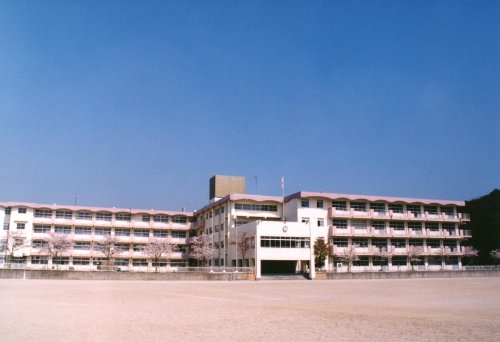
(283, 277)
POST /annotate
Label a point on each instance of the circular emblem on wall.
(285, 229)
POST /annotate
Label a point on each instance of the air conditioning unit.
(339, 265)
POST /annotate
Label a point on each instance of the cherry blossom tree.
(444, 253)
(242, 244)
(56, 244)
(348, 255)
(383, 253)
(201, 249)
(414, 254)
(11, 243)
(107, 247)
(495, 254)
(159, 248)
(469, 252)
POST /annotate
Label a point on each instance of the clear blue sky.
(138, 103)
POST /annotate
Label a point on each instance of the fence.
(482, 268)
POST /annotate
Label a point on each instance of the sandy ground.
(466, 309)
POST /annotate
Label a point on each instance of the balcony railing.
(410, 216)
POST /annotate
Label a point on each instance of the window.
(160, 233)
(160, 218)
(83, 231)
(358, 206)
(340, 242)
(359, 224)
(137, 247)
(432, 226)
(46, 213)
(397, 225)
(103, 216)
(60, 261)
(433, 243)
(39, 260)
(362, 261)
(81, 246)
(102, 231)
(39, 243)
(448, 226)
(178, 234)
(434, 261)
(378, 207)
(396, 208)
(222, 244)
(360, 242)
(256, 207)
(432, 210)
(62, 230)
(399, 261)
(284, 242)
(447, 210)
(21, 210)
(339, 205)
(146, 218)
(139, 262)
(379, 225)
(415, 209)
(122, 232)
(21, 225)
(123, 217)
(304, 203)
(7, 211)
(321, 222)
(416, 243)
(415, 226)
(121, 262)
(319, 204)
(380, 243)
(340, 224)
(222, 210)
(5, 226)
(124, 247)
(305, 220)
(141, 232)
(179, 219)
(18, 260)
(83, 215)
(450, 243)
(37, 228)
(97, 261)
(398, 243)
(64, 214)
(81, 261)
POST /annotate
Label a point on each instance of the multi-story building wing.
(26, 227)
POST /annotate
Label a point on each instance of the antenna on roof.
(76, 197)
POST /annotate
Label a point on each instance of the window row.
(256, 207)
(44, 260)
(107, 231)
(403, 261)
(396, 243)
(397, 225)
(284, 242)
(105, 216)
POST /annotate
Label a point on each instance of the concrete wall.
(105, 275)
(411, 275)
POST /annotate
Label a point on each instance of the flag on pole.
(282, 183)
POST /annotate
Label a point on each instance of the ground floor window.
(434, 261)
(60, 261)
(139, 262)
(121, 262)
(399, 261)
(284, 242)
(81, 261)
(39, 260)
(362, 261)
(181, 263)
(451, 261)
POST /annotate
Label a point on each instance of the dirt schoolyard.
(459, 309)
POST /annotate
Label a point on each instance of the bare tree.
(56, 244)
(469, 252)
(348, 255)
(414, 254)
(158, 248)
(13, 242)
(242, 244)
(107, 247)
(200, 248)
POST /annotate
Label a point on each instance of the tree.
(348, 255)
(321, 252)
(495, 254)
(383, 253)
(56, 244)
(242, 244)
(13, 242)
(158, 248)
(469, 252)
(201, 249)
(444, 253)
(107, 247)
(414, 254)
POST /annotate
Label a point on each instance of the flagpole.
(283, 196)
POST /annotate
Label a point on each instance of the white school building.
(279, 232)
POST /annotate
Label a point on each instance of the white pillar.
(312, 266)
